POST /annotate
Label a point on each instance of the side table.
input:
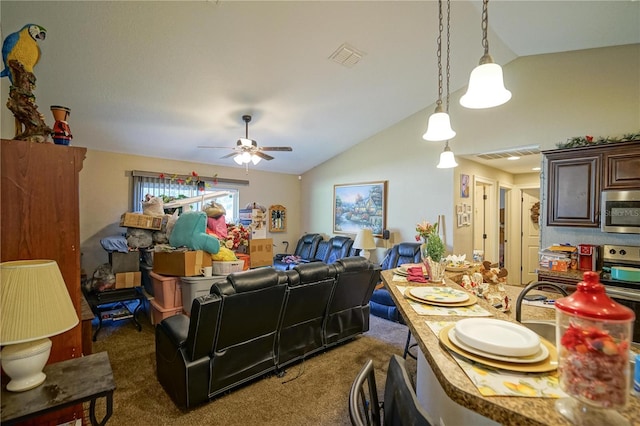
(108, 300)
(68, 383)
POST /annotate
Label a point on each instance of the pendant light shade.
(439, 126)
(447, 159)
(486, 86)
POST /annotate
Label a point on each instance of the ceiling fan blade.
(229, 155)
(263, 155)
(216, 147)
(275, 148)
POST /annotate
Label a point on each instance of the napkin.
(415, 274)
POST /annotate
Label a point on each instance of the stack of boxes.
(126, 267)
(167, 297)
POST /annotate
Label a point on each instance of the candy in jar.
(593, 338)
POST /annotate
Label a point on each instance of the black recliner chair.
(382, 304)
(305, 249)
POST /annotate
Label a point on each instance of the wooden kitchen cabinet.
(573, 190)
(576, 176)
(621, 166)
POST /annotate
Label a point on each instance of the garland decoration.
(587, 140)
(193, 179)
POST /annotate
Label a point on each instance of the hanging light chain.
(439, 54)
(448, 49)
(485, 24)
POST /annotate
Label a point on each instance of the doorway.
(530, 225)
(485, 219)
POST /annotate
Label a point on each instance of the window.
(177, 187)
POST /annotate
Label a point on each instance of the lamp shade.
(34, 301)
(439, 126)
(364, 240)
(486, 87)
(447, 160)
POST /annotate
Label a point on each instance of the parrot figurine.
(22, 46)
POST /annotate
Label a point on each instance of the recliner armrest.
(176, 328)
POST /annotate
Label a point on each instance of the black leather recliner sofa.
(259, 321)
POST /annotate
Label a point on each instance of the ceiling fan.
(247, 150)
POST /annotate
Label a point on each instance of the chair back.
(250, 314)
(364, 408)
(401, 406)
(338, 248)
(407, 252)
(307, 246)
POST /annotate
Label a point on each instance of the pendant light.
(486, 87)
(447, 159)
(439, 125)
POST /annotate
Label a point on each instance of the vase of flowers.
(432, 249)
(237, 238)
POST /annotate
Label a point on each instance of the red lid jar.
(593, 338)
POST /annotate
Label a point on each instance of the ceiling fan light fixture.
(255, 159)
(238, 159)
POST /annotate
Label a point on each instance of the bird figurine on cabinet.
(20, 54)
(22, 46)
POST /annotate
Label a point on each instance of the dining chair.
(400, 406)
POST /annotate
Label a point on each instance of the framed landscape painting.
(360, 205)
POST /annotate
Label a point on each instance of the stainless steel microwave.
(620, 212)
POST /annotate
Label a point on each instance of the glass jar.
(593, 336)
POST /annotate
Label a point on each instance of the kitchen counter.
(507, 410)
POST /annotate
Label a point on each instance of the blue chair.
(381, 303)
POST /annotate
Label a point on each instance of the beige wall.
(555, 97)
(105, 193)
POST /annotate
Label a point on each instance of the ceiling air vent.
(346, 55)
(514, 152)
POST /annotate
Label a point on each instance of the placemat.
(426, 309)
(494, 382)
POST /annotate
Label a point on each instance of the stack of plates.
(458, 267)
(441, 296)
(500, 344)
(404, 269)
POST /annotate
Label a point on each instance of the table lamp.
(34, 305)
(364, 241)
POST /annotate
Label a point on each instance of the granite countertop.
(507, 410)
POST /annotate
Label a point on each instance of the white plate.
(497, 337)
(541, 355)
(439, 294)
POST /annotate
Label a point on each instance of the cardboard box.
(128, 279)
(180, 263)
(258, 234)
(261, 252)
(139, 220)
(124, 262)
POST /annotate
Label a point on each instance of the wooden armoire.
(39, 203)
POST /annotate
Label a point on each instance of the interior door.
(530, 245)
(485, 235)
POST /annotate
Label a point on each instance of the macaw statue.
(22, 47)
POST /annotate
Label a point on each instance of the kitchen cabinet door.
(573, 194)
(622, 167)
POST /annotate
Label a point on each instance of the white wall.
(555, 97)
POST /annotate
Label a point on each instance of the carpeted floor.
(314, 392)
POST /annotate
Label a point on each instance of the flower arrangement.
(425, 229)
(433, 246)
(237, 236)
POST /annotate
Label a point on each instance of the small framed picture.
(464, 186)
(467, 208)
(460, 220)
(459, 208)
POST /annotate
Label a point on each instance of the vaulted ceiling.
(162, 78)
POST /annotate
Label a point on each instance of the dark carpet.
(312, 392)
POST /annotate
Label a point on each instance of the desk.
(68, 383)
(107, 300)
(434, 360)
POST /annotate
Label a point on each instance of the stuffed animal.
(216, 221)
(190, 231)
(153, 206)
